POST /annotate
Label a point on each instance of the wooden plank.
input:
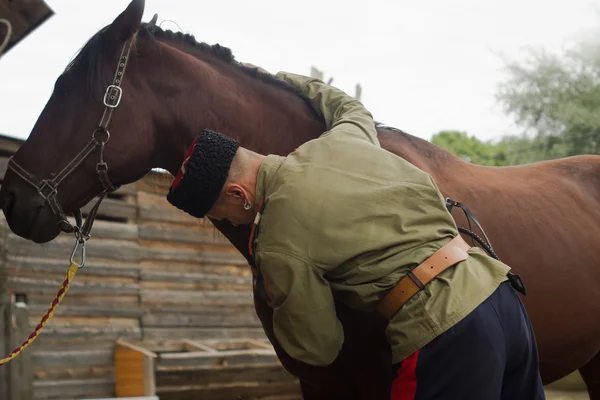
(112, 208)
(129, 301)
(23, 284)
(20, 368)
(191, 345)
(219, 358)
(4, 344)
(109, 230)
(72, 358)
(139, 349)
(98, 343)
(141, 398)
(73, 388)
(176, 234)
(183, 375)
(203, 333)
(74, 372)
(169, 276)
(196, 285)
(25, 266)
(193, 256)
(5, 313)
(62, 247)
(129, 374)
(213, 317)
(195, 299)
(148, 213)
(187, 267)
(89, 322)
(237, 344)
(99, 332)
(149, 376)
(25, 17)
(231, 390)
(90, 311)
(260, 344)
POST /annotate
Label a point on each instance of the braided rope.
(73, 268)
(8, 34)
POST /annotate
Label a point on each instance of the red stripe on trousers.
(404, 387)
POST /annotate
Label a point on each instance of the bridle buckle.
(113, 98)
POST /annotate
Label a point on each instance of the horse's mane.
(91, 60)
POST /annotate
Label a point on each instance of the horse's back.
(543, 220)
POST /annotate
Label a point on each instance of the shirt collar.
(267, 170)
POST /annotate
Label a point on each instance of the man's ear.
(235, 190)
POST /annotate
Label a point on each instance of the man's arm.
(343, 114)
(304, 317)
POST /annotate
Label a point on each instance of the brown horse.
(542, 219)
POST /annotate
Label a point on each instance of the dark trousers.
(489, 355)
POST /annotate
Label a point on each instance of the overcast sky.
(424, 65)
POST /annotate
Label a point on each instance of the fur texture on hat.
(203, 173)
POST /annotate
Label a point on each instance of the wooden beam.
(20, 368)
(191, 345)
(24, 16)
(128, 345)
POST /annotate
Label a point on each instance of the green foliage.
(556, 100)
(469, 149)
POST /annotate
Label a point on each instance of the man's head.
(217, 179)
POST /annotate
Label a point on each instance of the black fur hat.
(203, 173)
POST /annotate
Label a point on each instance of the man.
(341, 214)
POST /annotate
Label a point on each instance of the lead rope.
(70, 275)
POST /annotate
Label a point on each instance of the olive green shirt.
(344, 215)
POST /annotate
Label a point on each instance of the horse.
(135, 96)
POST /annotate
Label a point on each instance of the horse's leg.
(590, 373)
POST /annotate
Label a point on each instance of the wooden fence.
(153, 275)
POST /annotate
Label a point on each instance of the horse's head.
(93, 135)
(132, 100)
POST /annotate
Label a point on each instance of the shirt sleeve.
(304, 317)
(343, 114)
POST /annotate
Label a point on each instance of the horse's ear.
(154, 19)
(127, 23)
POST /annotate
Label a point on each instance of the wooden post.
(5, 314)
(315, 73)
(20, 369)
(358, 92)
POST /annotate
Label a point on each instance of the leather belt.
(448, 255)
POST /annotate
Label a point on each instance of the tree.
(470, 149)
(556, 100)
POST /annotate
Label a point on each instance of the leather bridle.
(48, 188)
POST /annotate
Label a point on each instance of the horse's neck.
(222, 97)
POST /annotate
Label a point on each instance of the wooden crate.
(244, 369)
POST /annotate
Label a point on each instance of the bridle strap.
(48, 188)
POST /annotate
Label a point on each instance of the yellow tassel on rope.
(73, 268)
